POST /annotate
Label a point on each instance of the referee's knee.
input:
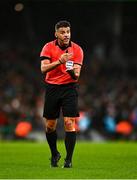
(70, 124)
(50, 125)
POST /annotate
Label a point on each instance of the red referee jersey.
(53, 51)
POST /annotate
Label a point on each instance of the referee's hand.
(65, 57)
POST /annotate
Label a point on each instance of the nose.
(66, 34)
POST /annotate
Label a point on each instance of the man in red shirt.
(61, 62)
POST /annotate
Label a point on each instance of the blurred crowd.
(107, 95)
(21, 94)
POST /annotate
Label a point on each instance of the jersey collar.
(64, 47)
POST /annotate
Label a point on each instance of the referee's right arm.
(47, 66)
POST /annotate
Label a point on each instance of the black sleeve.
(44, 57)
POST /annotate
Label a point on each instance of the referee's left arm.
(75, 72)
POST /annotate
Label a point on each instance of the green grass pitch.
(30, 160)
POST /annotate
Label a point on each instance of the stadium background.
(107, 32)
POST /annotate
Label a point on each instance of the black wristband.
(60, 61)
(72, 74)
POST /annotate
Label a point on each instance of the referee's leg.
(71, 113)
(50, 115)
(51, 135)
(70, 139)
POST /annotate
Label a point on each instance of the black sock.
(70, 141)
(52, 141)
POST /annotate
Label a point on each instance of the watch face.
(69, 65)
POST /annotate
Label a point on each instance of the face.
(63, 35)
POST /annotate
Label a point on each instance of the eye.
(62, 32)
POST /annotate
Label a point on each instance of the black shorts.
(61, 98)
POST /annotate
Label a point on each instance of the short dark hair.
(62, 24)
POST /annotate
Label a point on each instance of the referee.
(61, 61)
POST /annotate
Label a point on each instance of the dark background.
(92, 22)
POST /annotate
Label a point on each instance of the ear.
(56, 35)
